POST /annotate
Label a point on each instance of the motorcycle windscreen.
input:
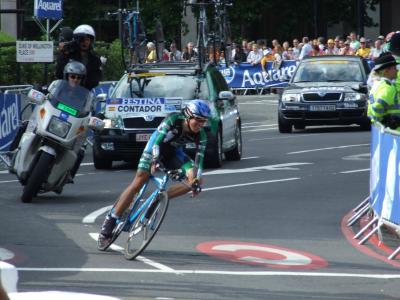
(74, 100)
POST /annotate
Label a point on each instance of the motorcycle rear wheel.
(39, 174)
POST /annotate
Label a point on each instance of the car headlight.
(353, 96)
(291, 97)
(58, 127)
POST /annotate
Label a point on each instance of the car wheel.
(214, 160)
(101, 163)
(283, 125)
(236, 153)
(366, 125)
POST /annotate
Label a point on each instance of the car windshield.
(328, 71)
(186, 87)
(76, 100)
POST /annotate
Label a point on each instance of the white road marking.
(249, 123)
(278, 167)
(139, 258)
(249, 183)
(287, 136)
(5, 254)
(354, 171)
(261, 125)
(362, 156)
(8, 181)
(91, 218)
(262, 129)
(4, 172)
(8, 277)
(250, 157)
(217, 272)
(328, 148)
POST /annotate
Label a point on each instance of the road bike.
(132, 36)
(147, 212)
(218, 40)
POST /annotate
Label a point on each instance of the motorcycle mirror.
(101, 97)
(96, 124)
(36, 97)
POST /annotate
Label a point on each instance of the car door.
(228, 110)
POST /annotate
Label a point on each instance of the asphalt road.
(267, 227)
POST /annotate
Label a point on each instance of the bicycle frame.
(136, 210)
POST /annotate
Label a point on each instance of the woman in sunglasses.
(166, 146)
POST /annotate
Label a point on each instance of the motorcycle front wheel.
(38, 175)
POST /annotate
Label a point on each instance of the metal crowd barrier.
(383, 204)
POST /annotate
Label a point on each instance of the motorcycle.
(53, 144)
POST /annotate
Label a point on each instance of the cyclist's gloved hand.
(196, 188)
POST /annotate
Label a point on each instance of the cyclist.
(81, 49)
(166, 145)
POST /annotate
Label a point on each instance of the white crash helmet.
(84, 30)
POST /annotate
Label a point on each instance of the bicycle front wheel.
(145, 227)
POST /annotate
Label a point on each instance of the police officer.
(384, 106)
(81, 49)
(394, 48)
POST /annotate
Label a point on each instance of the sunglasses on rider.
(75, 77)
(200, 120)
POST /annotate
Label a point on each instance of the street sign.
(48, 9)
(262, 255)
(34, 51)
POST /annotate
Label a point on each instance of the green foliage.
(113, 68)
(4, 37)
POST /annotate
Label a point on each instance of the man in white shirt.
(255, 56)
(306, 49)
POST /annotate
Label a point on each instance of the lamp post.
(360, 17)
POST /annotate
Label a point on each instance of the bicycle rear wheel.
(146, 226)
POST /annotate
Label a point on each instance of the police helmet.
(74, 67)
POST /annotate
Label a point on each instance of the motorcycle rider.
(81, 49)
(166, 145)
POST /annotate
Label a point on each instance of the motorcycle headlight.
(291, 97)
(58, 127)
(353, 96)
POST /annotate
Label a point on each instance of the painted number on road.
(264, 255)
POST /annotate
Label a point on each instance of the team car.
(325, 90)
(142, 98)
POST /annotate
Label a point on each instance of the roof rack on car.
(183, 68)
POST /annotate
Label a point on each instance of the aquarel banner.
(10, 108)
(245, 75)
(384, 178)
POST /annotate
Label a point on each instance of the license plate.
(142, 137)
(322, 107)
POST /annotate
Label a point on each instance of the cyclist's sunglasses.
(200, 120)
(75, 77)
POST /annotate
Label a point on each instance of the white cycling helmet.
(84, 30)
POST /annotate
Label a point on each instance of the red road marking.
(349, 234)
(262, 255)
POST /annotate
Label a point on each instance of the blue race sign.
(9, 118)
(48, 9)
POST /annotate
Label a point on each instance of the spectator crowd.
(260, 53)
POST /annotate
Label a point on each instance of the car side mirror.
(361, 88)
(226, 95)
(36, 97)
(101, 97)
